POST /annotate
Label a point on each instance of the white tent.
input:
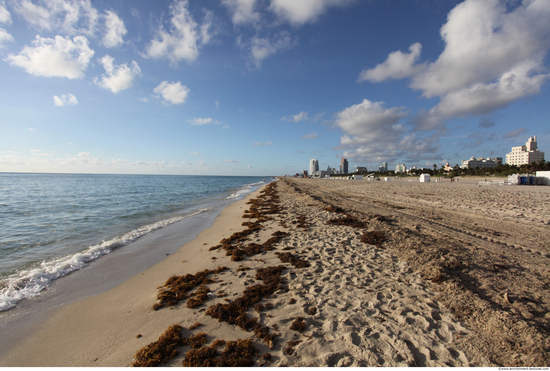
(424, 178)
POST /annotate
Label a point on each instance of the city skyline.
(249, 87)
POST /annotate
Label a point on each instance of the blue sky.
(258, 87)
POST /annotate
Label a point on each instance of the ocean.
(54, 224)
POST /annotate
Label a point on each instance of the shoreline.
(107, 273)
(372, 274)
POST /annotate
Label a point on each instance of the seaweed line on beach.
(176, 288)
(239, 353)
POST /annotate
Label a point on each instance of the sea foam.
(29, 282)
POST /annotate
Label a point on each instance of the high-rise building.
(385, 164)
(401, 168)
(313, 166)
(526, 154)
(344, 166)
(383, 168)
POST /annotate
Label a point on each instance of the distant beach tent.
(424, 178)
(544, 176)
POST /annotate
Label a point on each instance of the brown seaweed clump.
(349, 221)
(195, 325)
(198, 297)
(287, 257)
(176, 287)
(160, 351)
(291, 344)
(373, 238)
(196, 341)
(334, 209)
(312, 311)
(234, 312)
(240, 353)
(302, 222)
(299, 324)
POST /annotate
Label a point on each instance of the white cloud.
(117, 78)
(217, 104)
(172, 92)
(398, 65)
(143, 99)
(65, 100)
(115, 30)
(493, 56)
(59, 57)
(302, 116)
(480, 99)
(232, 161)
(69, 16)
(261, 48)
(195, 153)
(483, 42)
(242, 11)
(84, 154)
(373, 133)
(4, 37)
(203, 121)
(310, 136)
(262, 144)
(5, 16)
(369, 119)
(303, 11)
(185, 37)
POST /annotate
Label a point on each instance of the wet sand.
(435, 274)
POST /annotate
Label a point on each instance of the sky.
(259, 87)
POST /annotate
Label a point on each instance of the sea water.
(55, 224)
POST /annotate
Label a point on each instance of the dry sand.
(462, 279)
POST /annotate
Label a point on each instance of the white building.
(323, 173)
(400, 168)
(526, 154)
(481, 163)
(313, 166)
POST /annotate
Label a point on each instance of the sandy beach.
(331, 273)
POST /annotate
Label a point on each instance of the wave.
(27, 283)
(247, 188)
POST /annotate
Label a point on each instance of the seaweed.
(202, 357)
(264, 359)
(302, 222)
(161, 350)
(373, 238)
(291, 344)
(196, 341)
(234, 312)
(312, 311)
(218, 343)
(195, 325)
(176, 287)
(349, 221)
(240, 353)
(334, 209)
(287, 257)
(299, 324)
(263, 205)
(199, 297)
